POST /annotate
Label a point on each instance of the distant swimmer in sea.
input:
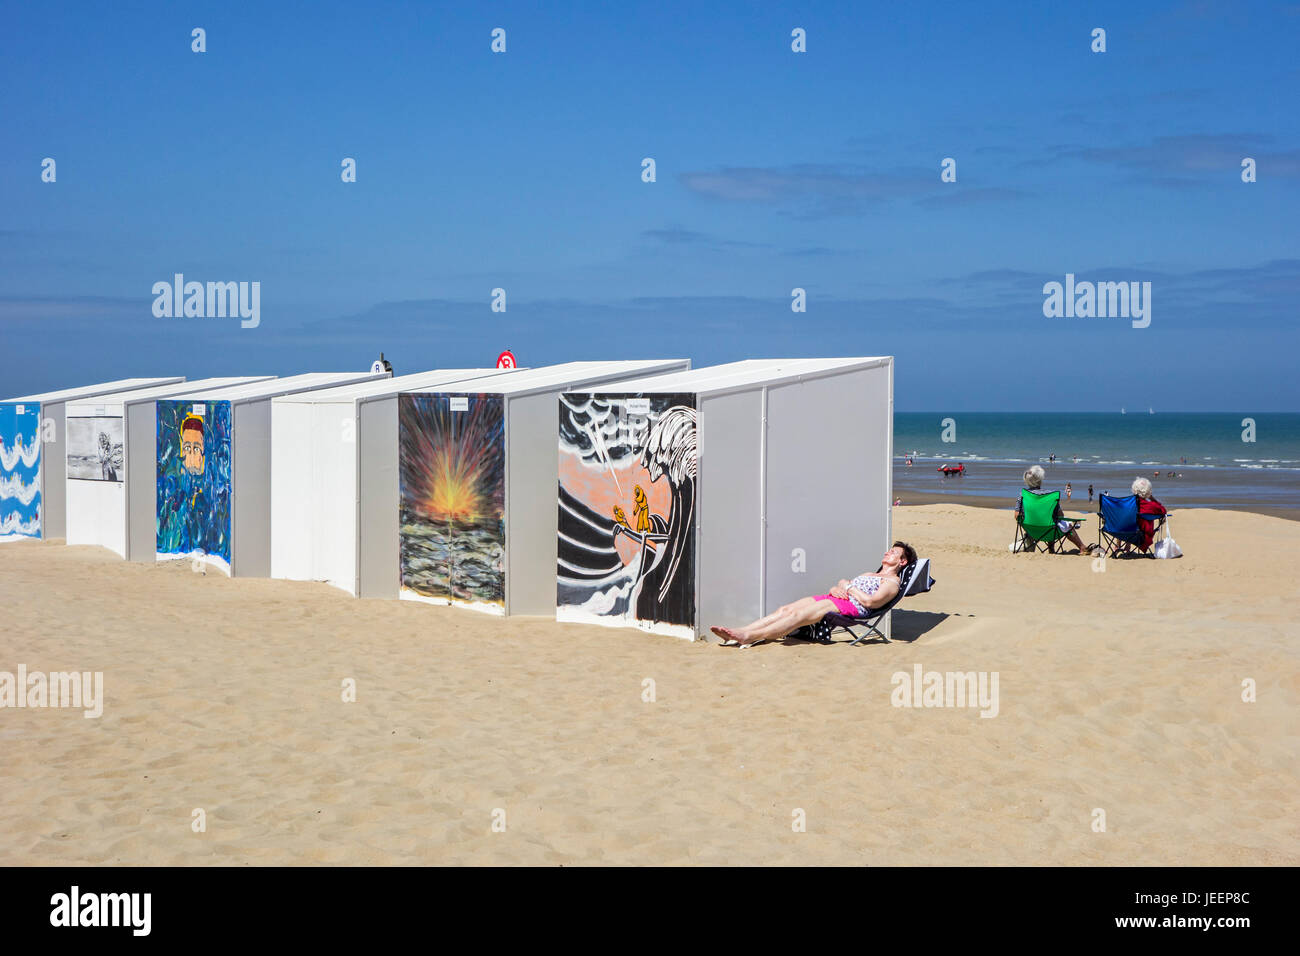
(1090, 492)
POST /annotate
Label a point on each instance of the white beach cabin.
(212, 489)
(334, 472)
(476, 472)
(33, 443)
(715, 496)
(102, 501)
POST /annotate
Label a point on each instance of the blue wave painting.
(194, 479)
(20, 470)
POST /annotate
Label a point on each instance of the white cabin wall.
(140, 447)
(250, 489)
(54, 472)
(728, 530)
(293, 491)
(378, 571)
(532, 470)
(333, 519)
(829, 474)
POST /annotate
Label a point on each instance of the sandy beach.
(1120, 689)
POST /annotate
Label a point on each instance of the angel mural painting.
(626, 547)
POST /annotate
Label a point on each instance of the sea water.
(1217, 459)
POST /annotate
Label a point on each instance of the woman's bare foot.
(730, 636)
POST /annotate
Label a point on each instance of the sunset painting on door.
(451, 465)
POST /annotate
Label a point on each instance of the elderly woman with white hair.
(1148, 510)
(1034, 484)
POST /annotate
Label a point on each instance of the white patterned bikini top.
(867, 584)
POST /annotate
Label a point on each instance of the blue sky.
(775, 170)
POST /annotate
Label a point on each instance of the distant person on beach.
(1148, 510)
(1090, 492)
(1068, 491)
(851, 598)
(1034, 485)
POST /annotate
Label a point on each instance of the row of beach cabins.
(640, 494)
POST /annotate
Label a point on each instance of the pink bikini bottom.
(844, 605)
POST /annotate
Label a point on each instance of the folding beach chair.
(915, 580)
(1036, 528)
(1120, 523)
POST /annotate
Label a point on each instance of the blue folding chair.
(1120, 523)
(915, 580)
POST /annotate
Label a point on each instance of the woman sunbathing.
(850, 598)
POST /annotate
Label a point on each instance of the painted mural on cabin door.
(451, 465)
(194, 484)
(20, 470)
(626, 546)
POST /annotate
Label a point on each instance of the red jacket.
(1149, 506)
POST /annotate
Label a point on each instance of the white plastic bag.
(1167, 547)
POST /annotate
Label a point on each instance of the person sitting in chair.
(1034, 484)
(850, 598)
(1148, 510)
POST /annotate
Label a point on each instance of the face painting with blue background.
(194, 478)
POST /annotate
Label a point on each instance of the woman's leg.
(799, 614)
(1073, 535)
(780, 613)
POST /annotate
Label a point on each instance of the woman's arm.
(884, 594)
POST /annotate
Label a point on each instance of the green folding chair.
(1036, 527)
